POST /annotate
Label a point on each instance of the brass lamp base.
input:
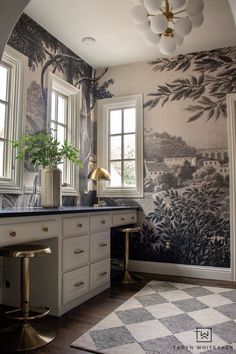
(25, 337)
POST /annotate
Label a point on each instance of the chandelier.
(166, 22)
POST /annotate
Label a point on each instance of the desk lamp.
(99, 174)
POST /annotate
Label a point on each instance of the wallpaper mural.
(185, 215)
(45, 54)
(186, 204)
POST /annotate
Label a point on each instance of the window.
(64, 112)
(120, 145)
(12, 115)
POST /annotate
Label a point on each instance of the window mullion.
(66, 162)
(8, 128)
(56, 112)
(122, 148)
(4, 102)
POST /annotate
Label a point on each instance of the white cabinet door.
(75, 226)
(99, 273)
(25, 231)
(100, 222)
(75, 284)
(75, 252)
(124, 218)
(99, 246)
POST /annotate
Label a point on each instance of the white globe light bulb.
(151, 38)
(183, 26)
(194, 7)
(143, 27)
(179, 40)
(158, 24)
(139, 14)
(197, 21)
(167, 45)
(152, 5)
(175, 4)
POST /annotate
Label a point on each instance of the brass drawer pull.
(102, 274)
(78, 251)
(12, 233)
(122, 219)
(78, 284)
(45, 229)
(103, 221)
(79, 225)
(103, 244)
(133, 218)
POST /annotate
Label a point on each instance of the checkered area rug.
(167, 318)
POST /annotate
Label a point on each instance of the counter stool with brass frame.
(127, 277)
(25, 336)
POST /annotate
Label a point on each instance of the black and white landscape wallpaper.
(186, 207)
(45, 53)
(187, 194)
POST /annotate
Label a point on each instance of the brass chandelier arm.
(167, 6)
(179, 12)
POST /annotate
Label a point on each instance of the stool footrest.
(34, 313)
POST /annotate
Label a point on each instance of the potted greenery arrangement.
(43, 149)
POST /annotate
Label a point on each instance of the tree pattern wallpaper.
(45, 53)
(186, 206)
(185, 214)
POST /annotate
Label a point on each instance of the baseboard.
(182, 270)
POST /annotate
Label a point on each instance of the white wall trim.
(18, 64)
(103, 108)
(182, 270)
(231, 113)
(73, 95)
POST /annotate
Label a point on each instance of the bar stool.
(127, 277)
(25, 336)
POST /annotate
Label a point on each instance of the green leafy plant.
(43, 149)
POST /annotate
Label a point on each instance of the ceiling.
(117, 42)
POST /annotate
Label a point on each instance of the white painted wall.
(232, 4)
(10, 11)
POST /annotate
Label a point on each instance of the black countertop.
(13, 212)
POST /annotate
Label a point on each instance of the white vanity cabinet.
(79, 266)
(85, 242)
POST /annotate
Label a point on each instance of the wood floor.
(77, 321)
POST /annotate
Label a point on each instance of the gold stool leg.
(25, 286)
(127, 278)
(24, 337)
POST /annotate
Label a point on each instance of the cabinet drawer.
(75, 252)
(99, 273)
(124, 218)
(28, 231)
(75, 226)
(99, 245)
(75, 284)
(100, 222)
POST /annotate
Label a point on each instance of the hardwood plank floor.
(77, 321)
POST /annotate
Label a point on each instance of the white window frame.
(18, 64)
(56, 83)
(103, 108)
